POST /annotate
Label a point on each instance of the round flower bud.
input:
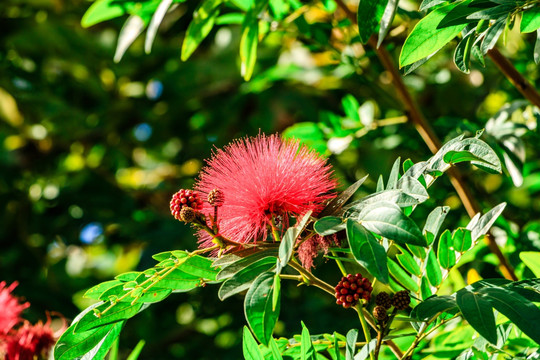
(216, 197)
(184, 198)
(187, 214)
(383, 299)
(401, 300)
(379, 313)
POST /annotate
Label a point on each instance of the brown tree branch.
(432, 141)
(506, 67)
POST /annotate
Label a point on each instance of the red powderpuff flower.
(30, 341)
(263, 178)
(10, 308)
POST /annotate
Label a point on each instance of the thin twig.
(511, 73)
(432, 141)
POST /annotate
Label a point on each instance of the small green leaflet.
(427, 36)
(387, 219)
(368, 16)
(532, 260)
(203, 21)
(250, 348)
(367, 250)
(258, 307)
(307, 350)
(530, 20)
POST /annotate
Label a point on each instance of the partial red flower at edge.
(261, 178)
(10, 308)
(30, 341)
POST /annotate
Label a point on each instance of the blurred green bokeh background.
(92, 150)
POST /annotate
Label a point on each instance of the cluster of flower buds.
(186, 203)
(384, 301)
(351, 289)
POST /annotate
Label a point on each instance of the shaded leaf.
(367, 250)
(258, 307)
(243, 279)
(402, 277)
(523, 313)
(478, 312)
(387, 219)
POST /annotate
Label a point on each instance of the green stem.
(339, 263)
(365, 327)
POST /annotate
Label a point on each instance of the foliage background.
(91, 151)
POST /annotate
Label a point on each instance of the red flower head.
(30, 341)
(10, 308)
(263, 178)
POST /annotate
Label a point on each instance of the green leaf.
(336, 204)
(134, 355)
(367, 250)
(196, 265)
(350, 347)
(536, 55)
(380, 184)
(426, 4)
(417, 251)
(103, 10)
(387, 219)
(276, 354)
(250, 39)
(120, 311)
(307, 350)
(287, 243)
(433, 306)
(445, 251)
(425, 290)
(203, 21)
(243, 279)
(462, 240)
(258, 307)
(413, 188)
(402, 277)
(131, 29)
(96, 291)
(523, 313)
(93, 344)
(462, 54)
(157, 18)
(250, 348)
(242, 262)
(532, 260)
(434, 222)
(493, 34)
(428, 36)
(351, 105)
(179, 281)
(474, 150)
(277, 291)
(368, 16)
(329, 225)
(386, 20)
(433, 271)
(478, 312)
(482, 226)
(394, 175)
(367, 349)
(336, 353)
(408, 262)
(530, 20)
